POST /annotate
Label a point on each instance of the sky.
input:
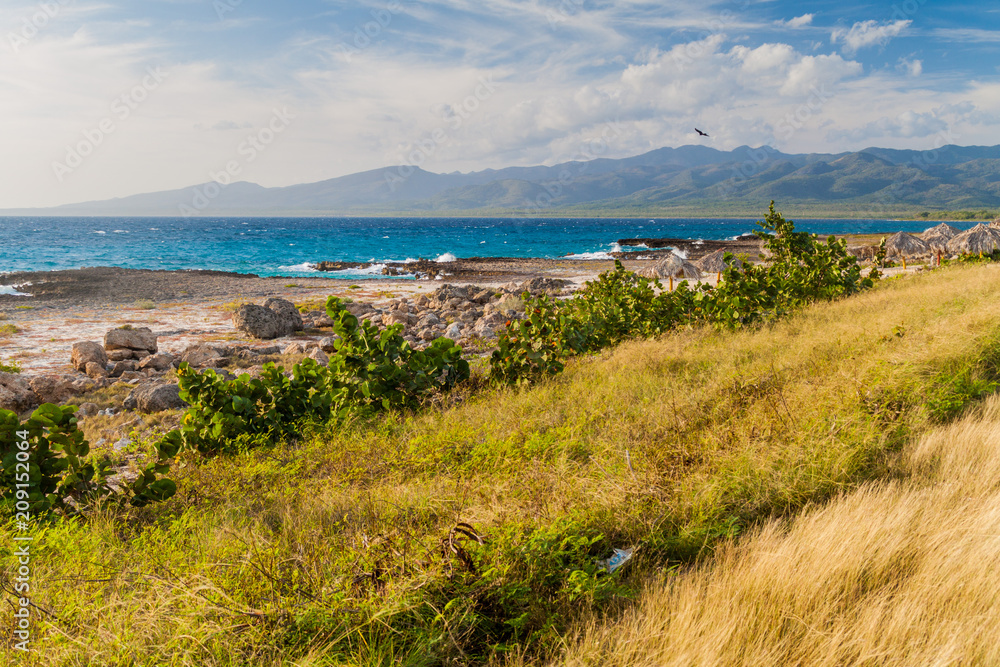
(107, 98)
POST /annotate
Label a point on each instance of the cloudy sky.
(106, 98)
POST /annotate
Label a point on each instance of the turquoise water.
(287, 246)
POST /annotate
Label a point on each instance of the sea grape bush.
(53, 469)
(621, 305)
(370, 370)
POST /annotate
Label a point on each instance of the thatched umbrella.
(978, 239)
(902, 244)
(714, 263)
(995, 223)
(672, 267)
(937, 237)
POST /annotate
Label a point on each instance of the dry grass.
(897, 573)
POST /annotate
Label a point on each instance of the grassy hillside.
(470, 532)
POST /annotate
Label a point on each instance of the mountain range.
(874, 182)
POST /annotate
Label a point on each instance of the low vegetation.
(319, 522)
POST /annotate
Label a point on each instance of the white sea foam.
(100, 231)
(304, 266)
(599, 254)
(121, 231)
(447, 257)
(680, 253)
(12, 290)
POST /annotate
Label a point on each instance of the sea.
(292, 246)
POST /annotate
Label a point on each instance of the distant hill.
(874, 181)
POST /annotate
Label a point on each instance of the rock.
(428, 334)
(201, 356)
(542, 285)
(157, 362)
(329, 344)
(95, 370)
(16, 394)
(154, 397)
(49, 389)
(294, 348)
(265, 351)
(396, 317)
(322, 321)
(276, 318)
(129, 376)
(141, 340)
(454, 331)
(287, 313)
(359, 309)
(87, 410)
(422, 301)
(319, 355)
(427, 320)
(257, 321)
(88, 351)
(124, 355)
(119, 367)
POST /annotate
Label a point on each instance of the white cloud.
(911, 67)
(798, 21)
(867, 33)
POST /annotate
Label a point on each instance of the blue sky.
(108, 98)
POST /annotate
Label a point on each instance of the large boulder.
(276, 318)
(86, 352)
(287, 313)
(154, 397)
(202, 356)
(140, 341)
(50, 388)
(16, 394)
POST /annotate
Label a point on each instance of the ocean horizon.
(287, 246)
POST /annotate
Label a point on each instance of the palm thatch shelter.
(673, 266)
(995, 223)
(715, 263)
(937, 237)
(902, 244)
(978, 239)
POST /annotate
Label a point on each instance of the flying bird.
(704, 134)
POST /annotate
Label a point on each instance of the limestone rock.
(87, 410)
(277, 317)
(95, 370)
(124, 355)
(16, 394)
(201, 356)
(319, 355)
(329, 344)
(141, 340)
(454, 331)
(119, 367)
(294, 348)
(154, 397)
(157, 362)
(87, 351)
(50, 389)
(287, 313)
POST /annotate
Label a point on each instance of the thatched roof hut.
(672, 267)
(937, 237)
(714, 263)
(995, 223)
(978, 239)
(902, 244)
